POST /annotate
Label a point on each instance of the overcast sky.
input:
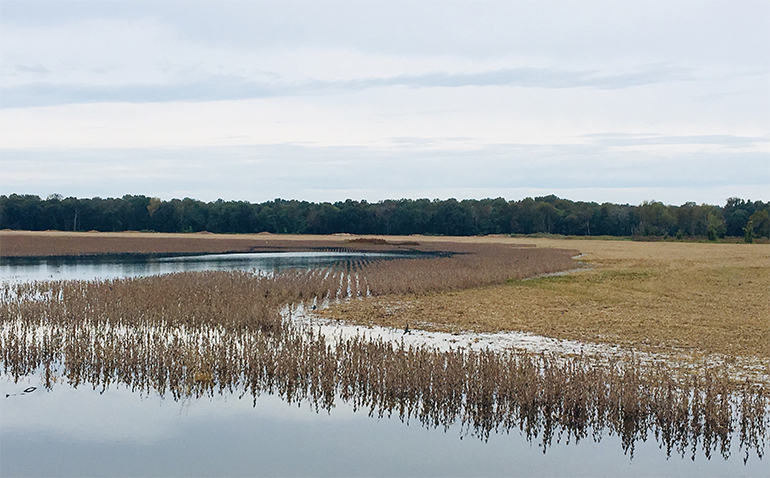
(616, 101)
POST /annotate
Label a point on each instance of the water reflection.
(20, 269)
(79, 432)
(545, 398)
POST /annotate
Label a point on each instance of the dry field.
(698, 298)
(60, 243)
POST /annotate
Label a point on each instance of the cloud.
(530, 78)
(228, 87)
(316, 99)
(216, 88)
(37, 69)
(724, 140)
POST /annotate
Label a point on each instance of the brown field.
(59, 243)
(701, 298)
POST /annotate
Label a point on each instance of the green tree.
(748, 232)
(716, 227)
(547, 216)
(323, 219)
(655, 219)
(761, 223)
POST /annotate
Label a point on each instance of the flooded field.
(226, 373)
(25, 269)
(123, 433)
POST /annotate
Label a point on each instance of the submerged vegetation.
(544, 396)
(197, 334)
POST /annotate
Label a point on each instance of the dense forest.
(548, 214)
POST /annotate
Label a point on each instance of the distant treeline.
(548, 214)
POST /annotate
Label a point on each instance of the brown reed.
(61, 243)
(544, 396)
(470, 265)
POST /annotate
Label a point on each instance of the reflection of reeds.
(195, 334)
(544, 396)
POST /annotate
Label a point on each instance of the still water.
(112, 267)
(79, 431)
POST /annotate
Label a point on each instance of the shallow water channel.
(79, 431)
(116, 266)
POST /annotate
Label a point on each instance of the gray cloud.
(38, 69)
(215, 88)
(708, 62)
(223, 87)
(529, 77)
(716, 30)
(727, 141)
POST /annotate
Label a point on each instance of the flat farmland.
(61, 243)
(693, 297)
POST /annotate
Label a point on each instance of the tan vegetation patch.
(709, 298)
(57, 243)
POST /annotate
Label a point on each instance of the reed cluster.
(243, 299)
(196, 334)
(545, 397)
(59, 243)
(469, 265)
(233, 300)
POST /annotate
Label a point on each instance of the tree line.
(548, 214)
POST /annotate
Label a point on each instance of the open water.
(116, 266)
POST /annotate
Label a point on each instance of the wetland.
(238, 362)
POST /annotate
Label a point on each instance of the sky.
(606, 101)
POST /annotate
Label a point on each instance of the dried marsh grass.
(471, 265)
(61, 243)
(547, 398)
